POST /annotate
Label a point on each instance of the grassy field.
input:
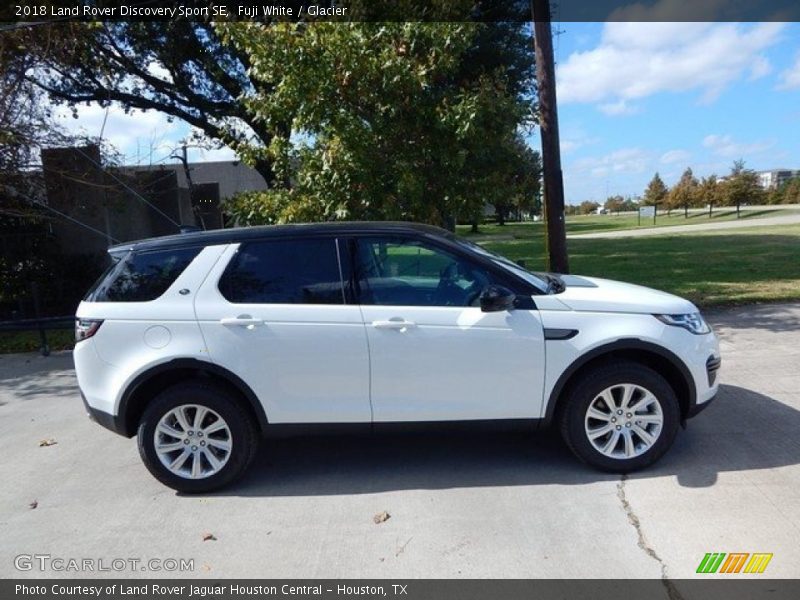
(597, 223)
(758, 264)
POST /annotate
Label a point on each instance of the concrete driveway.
(460, 506)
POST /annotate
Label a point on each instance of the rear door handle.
(240, 321)
(400, 324)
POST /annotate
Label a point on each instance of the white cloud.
(573, 137)
(625, 160)
(675, 156)
(620, 107)
(142, 137)
(726, 146)
(634, 60)
(790, 78)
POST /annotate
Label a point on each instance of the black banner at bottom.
(402, 589)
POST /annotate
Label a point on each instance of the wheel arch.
(147, 384)
(663, 361)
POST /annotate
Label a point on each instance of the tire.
(204, 458)
(639, 441)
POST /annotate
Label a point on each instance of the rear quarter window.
(143, 276)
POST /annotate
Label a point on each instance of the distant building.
(213, 182)
(774, 178)
(134, 202)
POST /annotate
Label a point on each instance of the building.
(132, 202)
(774, 178)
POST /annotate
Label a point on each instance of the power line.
(130, 189)
(63, 215)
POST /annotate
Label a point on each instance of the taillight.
(86, 328)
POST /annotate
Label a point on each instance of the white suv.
(199, 343)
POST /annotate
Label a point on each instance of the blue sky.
(634, 98)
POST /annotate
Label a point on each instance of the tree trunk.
(685, 211)
(501, 216)
(474, 228)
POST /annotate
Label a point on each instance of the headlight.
(693, 322)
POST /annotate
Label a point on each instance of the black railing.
(41, 325)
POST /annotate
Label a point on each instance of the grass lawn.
(596, 223)
(758, 264)
(29, 341)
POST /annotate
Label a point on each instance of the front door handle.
(399, 324)
(240, 321)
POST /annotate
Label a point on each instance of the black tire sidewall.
(586, 391)
(243, 435)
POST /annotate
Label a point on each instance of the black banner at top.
(43, 11)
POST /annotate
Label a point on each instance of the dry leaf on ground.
(381, 517)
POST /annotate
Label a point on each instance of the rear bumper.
(110, 422)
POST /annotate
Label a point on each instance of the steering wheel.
(448, 292)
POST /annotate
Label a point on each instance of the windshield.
(507, 264)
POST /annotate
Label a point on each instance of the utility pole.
(551, 147)
(184, 158)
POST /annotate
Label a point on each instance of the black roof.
(241, 234)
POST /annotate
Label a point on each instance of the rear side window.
(284, 272)
(143, 276)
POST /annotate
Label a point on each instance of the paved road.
(672, 229)
(478, 506)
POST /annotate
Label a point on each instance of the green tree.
(710, 193)
(401, 122)
(656, 191)
(684, 193)
(614, 203)
(741, 187)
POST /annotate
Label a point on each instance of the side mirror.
(496, 298)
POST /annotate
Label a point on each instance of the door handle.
(399, 324)
(240, 321)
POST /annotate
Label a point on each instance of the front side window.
(284, 272)
(142, 276)
(405, 272)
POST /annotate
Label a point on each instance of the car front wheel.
(195, 437)
(620, 417)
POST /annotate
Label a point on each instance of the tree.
(588, 207)
(710, 193)
(742, 186)
(786, 193)
(684, 193)
(346, 88)
(517, 179)
(614, 203)
(181, 68)
(656, 191)
(421, 129)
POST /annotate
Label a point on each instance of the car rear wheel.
(195, 437)
(620, 417)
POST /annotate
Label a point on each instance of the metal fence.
(41, 325)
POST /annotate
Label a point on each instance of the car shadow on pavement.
(769, 317)
(743, 430)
